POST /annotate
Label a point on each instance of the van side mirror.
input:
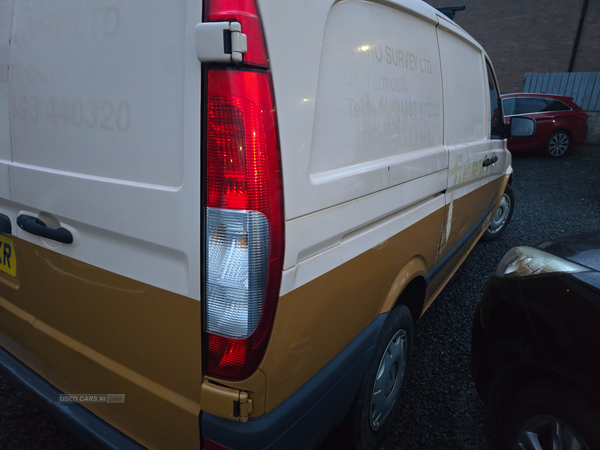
(521, 127)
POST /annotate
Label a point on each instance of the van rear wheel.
(376, 402)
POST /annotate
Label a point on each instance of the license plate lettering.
(8, 258)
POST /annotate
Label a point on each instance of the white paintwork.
(6, 9)
(326, 159)
(127, 181)
(464, 90)
(467, 134)
(355, 243)
(105, 117)
(326, 229)
(344, 160)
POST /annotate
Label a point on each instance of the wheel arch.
(409, 288)
(564, 130)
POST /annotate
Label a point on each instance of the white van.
(221, 219)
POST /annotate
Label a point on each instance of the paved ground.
(440, 409)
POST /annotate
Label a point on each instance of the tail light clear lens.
(244, 220)
(238, 257)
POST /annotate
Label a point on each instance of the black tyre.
(552, 416)
(376, 402)
(503, 215)
(558, 144)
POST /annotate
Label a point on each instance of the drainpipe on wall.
(578, 35)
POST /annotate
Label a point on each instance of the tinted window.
(555, 105)
(509, 106)
(530, 105)
(496, 117)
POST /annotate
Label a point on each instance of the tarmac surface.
(440, 408)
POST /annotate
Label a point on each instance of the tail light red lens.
(243, 11)
(208, 444)
(244, 220)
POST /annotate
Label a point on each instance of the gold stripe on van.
(97, 332)
(317, 320)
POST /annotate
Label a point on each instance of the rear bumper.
(311, 412)
(80, 421)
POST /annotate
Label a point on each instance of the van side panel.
(317, 320)
(364, 170)
(362, 113)
(469, 194)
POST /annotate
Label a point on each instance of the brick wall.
(531, 36)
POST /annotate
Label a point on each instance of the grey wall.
(584, 87)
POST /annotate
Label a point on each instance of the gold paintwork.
(98, 332)
(467, 210)
(16, 332)
(439, 283)
(220, 399)
(416, 267)
(317, 320)
(255, 385)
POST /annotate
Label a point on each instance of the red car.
(561, 124)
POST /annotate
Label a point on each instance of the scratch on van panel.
(451, 173)
(53, 266)
(145, 383)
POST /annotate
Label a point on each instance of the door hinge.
(220, 42)
(225, 402)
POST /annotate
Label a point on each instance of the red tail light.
(208, 444)
(244, 220)
(582, 116)
(243, 11)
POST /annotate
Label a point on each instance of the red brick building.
(532, 36)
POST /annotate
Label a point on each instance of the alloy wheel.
(545, 432)
(559, 144)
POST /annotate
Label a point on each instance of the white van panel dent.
(327, 229)
(354, 243)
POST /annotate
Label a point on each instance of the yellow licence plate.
(8, 256)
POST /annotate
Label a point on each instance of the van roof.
(427, 12)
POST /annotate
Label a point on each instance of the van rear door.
(16, 334)
(105, 139)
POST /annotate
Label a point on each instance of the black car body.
(540, 324)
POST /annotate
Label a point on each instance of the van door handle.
(490, 161)
(34, 225)
(5, 226)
